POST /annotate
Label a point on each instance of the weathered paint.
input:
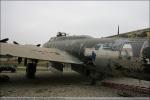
(121, 54)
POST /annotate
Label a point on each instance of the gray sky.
(32, 22)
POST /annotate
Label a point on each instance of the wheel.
(30, 70)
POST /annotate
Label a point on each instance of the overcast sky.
(32, 22)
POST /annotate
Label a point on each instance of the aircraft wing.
(33, 52)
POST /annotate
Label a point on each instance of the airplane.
(100, 56)
(94, 57)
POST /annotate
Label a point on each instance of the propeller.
(4, 40)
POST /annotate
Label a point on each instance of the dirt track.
(69, 84)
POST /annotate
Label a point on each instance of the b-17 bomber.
(96, 58)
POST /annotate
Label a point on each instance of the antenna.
(118, 30)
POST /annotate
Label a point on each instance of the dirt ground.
(48, 84)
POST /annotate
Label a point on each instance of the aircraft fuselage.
(77, 46)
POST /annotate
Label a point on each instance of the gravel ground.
(47, 84)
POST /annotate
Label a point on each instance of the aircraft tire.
(30, 70)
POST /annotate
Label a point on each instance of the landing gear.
(30, 70)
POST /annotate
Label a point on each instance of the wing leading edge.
(33, 52)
